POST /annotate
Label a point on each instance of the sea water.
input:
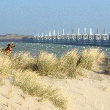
(57, 49)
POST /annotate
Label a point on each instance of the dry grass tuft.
(47, 63)
(20, 69)
(91, 57)
(7, 103)
(23, 61)
(1, 82)
(68, 61)
(27, 81)
(5, 64)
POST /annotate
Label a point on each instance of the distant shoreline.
(13, 37)
(10, 40)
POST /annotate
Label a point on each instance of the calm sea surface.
(58, 49)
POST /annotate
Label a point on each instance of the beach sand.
(88, 92)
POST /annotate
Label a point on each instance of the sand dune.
(88, 92)
(13, 98)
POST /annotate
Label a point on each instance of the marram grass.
(27, 81)
(1, 82)
(91, 57)
(68, 61)
(20, 68)
(23, 60)
(47, 63)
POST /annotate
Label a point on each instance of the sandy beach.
(88, 92)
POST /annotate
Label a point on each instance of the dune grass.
(5, 64)
(91, 57)
(27, 81)
(23, 60)
(67, 62)
(1, 82)
(20, 68)
(47, 63)
(107, 71)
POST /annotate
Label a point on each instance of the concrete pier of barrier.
(75, 39)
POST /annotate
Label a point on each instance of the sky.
(30, 17)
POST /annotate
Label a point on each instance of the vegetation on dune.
(1, 82)
(23, 61)
(90, 58)
(5, 64)
(27, 81)
(47, 63)
(107, 71)
(71, 62)
(22, 69)
(68, 62)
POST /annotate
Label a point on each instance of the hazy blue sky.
(36, 16)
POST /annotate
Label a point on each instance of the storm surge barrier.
(75, 39)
